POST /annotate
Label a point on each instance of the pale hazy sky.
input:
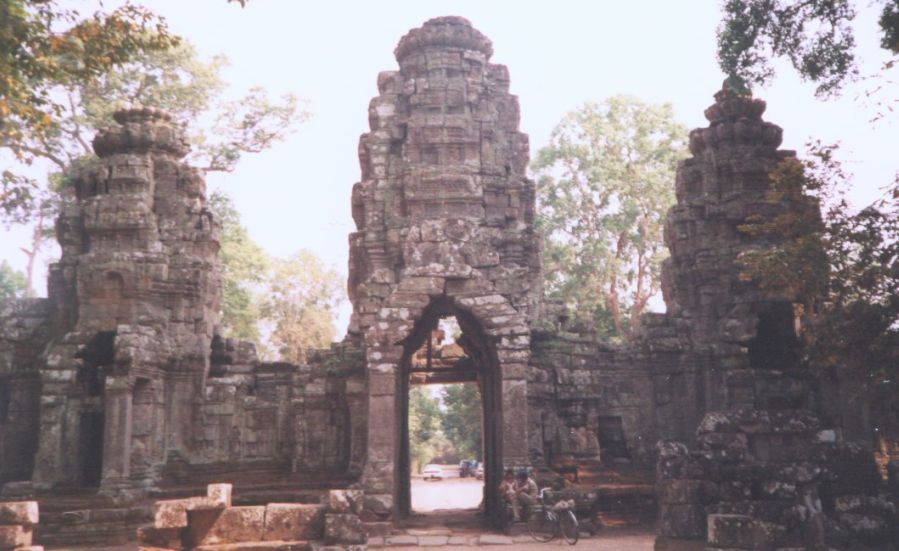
(559, 53)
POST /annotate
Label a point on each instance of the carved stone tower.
(743, 334)
(444, 214)
(136, 295)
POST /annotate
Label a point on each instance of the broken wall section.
(764, 471)
(24, 333)
(298, 421)
(590, 401)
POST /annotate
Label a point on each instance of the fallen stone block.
(220, 493)
(172, 513)
(402, 540)
(318, 546)
(730, 531)
(231, 525)
(378, 528)
(293, 521)
(345, 501)
(378, 506)
(432, 541)
(679, 491)
(165, 538)
(12, 537)
(681, 521)
(344, 528)
(24, 513)
(258, 546)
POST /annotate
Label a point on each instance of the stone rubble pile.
(211, 523)
(17, 521)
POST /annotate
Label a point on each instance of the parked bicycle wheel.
(542, 525)
(569, 526)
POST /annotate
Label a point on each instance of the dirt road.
(451, 493)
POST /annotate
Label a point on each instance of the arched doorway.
(481, 367)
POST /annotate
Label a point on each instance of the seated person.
(519, 493)
(507, 487)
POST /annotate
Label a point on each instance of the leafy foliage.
(844, 269)
(44, 46)
(425, 438)
(302, 296)
(12, 282)
(816, 36)
(462, 419)
(245, 267)
(604, 187)
(889, 25)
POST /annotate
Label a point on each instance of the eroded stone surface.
(293, 521)
(123, 359)
(24, 513)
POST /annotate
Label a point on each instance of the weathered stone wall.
(24, 332)
(301, 420)
(763, 472)
(598, 402)
(117, 381)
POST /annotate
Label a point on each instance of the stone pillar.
(117, 431)
(48, 466)
(179, 391)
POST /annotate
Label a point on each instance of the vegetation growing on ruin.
(844, 269)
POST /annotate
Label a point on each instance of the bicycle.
(547, 522)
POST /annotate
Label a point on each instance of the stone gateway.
(117, 390)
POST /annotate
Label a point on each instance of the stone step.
(258, 546)
(422, 541)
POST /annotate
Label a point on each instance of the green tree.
(245, 267)
(12, 282)
(43, 47)
(816, 36)
(424, 427)
(844, 269)
(462, 418)
(174, 79)
(605, 183)
(303, 296)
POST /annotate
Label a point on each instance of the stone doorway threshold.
(466, 528)
(455, 527)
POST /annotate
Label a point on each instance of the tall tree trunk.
(37, 243)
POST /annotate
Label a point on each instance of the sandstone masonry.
(116, 390)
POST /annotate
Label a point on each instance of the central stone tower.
(445, 215)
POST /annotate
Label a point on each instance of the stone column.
(383, 428)
(48, 461)
(179, 391)
(117, 430)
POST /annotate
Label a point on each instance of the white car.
(433, 472)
